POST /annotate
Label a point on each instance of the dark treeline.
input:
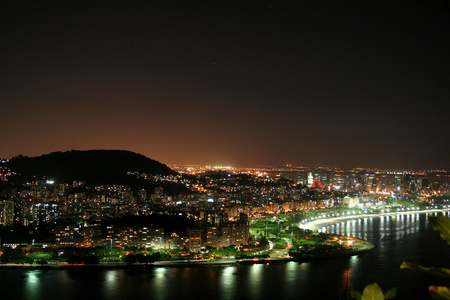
(169, 223)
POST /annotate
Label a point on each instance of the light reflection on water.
(255, 280)
(397, 238)
(32, 284)
(227, 281)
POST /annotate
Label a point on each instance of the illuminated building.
(317, 185)
(44, 212)
(142, 237)
(310, 179)
(8, 213)
(351, 202)
(194, 239)
(68, 236)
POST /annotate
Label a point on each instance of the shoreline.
(333, 255)
(312, 225)
(317, 224)
(183, 264)
(159, 264)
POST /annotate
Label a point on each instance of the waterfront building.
(194, 239)
(68, 236)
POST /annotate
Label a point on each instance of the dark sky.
(315, 83)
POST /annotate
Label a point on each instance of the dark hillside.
(92, 166)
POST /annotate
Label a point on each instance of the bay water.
(398, 238)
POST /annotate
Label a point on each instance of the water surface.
(397, 238)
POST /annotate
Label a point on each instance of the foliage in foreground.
(374, 292)
(442, 225)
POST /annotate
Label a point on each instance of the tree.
(374, 292)
(442, 225)
(155, 256)
(75, 259)
(130, 259)
(15, 256)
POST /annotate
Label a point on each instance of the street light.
(278, 232)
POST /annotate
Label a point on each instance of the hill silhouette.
(91, 166)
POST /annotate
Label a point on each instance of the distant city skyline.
(240, 167)
(330, 83)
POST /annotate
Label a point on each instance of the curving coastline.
(317, 224)
(121, 265)
(312, 225)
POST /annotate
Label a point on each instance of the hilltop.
(91, 166)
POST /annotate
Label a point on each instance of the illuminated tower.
(310, 179)
(317, 185)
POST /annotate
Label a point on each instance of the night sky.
(254, 83)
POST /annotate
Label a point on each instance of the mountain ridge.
(93, 166)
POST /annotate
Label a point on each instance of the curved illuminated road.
(319, 223)
(283, 252)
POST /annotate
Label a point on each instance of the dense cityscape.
(216, 207)
(270, 150)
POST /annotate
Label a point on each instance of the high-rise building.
(310, 179)
(194, 239)
(8, 213)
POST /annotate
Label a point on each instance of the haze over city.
(322, 83)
